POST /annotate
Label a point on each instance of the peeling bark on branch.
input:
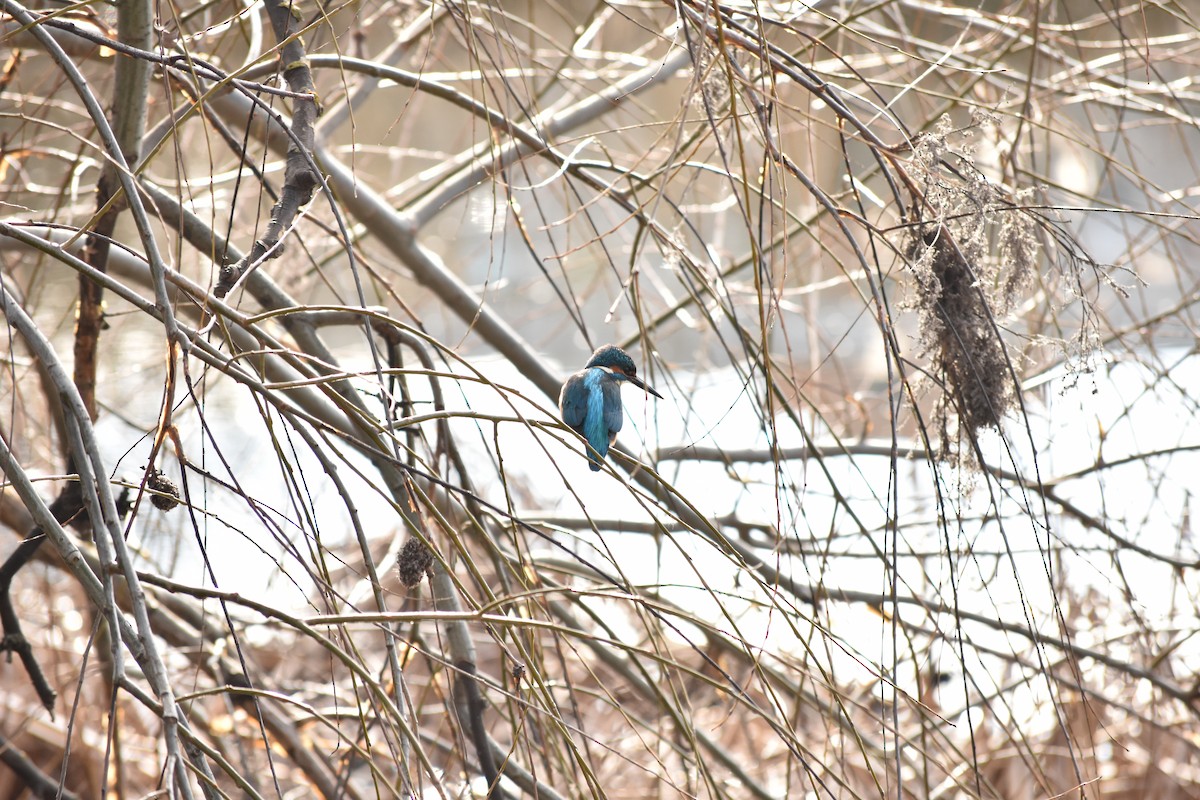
(300, 175)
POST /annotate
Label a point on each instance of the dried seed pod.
(166, 493)
(413, 562)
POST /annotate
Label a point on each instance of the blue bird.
(590, 402)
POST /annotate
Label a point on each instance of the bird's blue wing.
(572, 402)
(582, 406)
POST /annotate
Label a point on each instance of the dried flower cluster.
(971, 261)
(413, 561)
(713, 95)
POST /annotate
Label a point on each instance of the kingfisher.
(590, 402)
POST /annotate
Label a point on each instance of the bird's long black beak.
(636, 381)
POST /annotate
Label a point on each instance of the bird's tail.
(598, 442)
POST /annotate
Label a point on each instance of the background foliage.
(290, 292)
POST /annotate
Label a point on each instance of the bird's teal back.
(595, 427)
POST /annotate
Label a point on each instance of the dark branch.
(39, 783)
